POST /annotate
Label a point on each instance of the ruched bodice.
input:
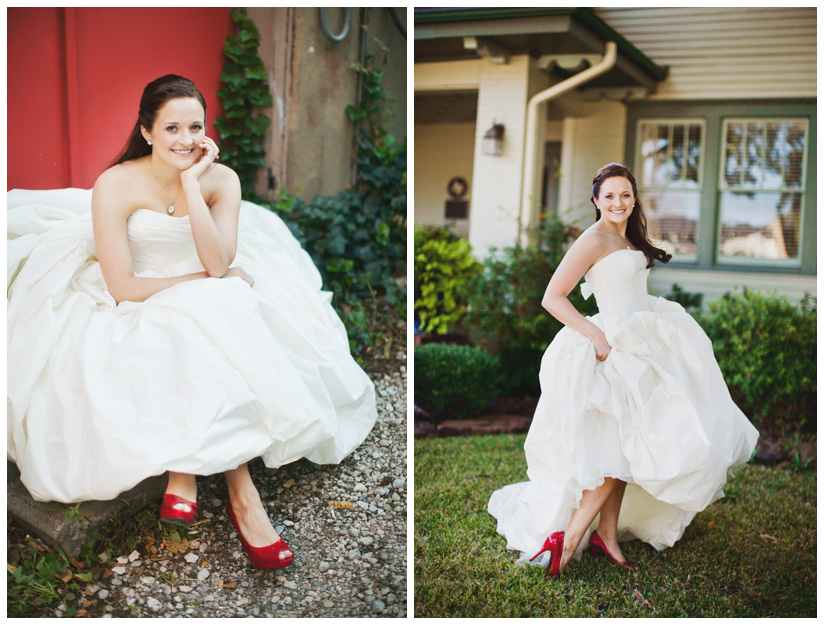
(161, 244)
(618, 283)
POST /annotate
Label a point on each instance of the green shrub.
(692, 302)
(454, 381)
(443, 265)
(505, 301)
(766, 348)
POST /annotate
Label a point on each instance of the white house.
(714, 110)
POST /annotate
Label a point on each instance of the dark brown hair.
(636, 224)
(155, 95)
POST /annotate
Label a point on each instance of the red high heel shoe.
(597, 548)
(268, 557)
(177, 510)
(554, 543)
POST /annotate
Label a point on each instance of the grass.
(751, 554)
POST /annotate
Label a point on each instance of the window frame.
(726, 260)
(709, 225)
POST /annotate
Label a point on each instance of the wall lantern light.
(493, 139)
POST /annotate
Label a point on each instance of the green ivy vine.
(245, 87)
(358, 238)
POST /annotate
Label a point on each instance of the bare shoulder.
(112, 188)
(110, 177)
(220, 182)
(590, 245)
(220, 175)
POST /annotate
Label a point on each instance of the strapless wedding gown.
(199, 378)
(656, 414)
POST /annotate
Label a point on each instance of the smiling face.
(616, 199)
(179, 128)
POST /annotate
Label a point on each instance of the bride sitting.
(149, 349)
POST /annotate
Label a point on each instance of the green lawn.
(752, 554)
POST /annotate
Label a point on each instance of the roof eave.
(581, 18)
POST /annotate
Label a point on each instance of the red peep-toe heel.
(268, 557)
(177, 510)
(597, 548)
(554, 543)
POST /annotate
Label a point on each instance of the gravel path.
(350, 556)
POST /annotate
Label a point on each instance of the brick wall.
(444, 151)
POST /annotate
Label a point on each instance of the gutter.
(530, 139)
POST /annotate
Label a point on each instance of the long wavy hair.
(155, 95)
(636, 224)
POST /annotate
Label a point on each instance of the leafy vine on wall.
(245, 88)
(356, 238)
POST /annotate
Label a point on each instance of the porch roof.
(565, 40)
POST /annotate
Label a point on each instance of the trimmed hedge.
(454, 381)
(766, 349)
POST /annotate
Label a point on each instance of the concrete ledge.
(47, 520)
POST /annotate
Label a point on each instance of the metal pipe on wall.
(344, 31)
(364, 30)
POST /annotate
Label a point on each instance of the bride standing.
(635, 430)
(138, 344)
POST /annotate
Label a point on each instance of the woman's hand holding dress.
(584, 252)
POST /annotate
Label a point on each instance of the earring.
(149, 142)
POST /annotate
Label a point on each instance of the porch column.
(503, 93)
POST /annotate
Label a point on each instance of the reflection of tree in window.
(670, 163)
(761, 203)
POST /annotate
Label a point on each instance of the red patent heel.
(177, 510)
(597, 548)
(268, 557)
(554, 543)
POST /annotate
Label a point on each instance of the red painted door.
(75, 77)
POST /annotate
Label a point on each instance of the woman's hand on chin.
(208, 157)
(240, 273)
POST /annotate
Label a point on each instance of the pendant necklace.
(171, 208)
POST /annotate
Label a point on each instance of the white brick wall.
(502, 98)
(442, 152)
(588, 142)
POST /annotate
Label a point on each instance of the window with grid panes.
(761, 189)
(668, 178)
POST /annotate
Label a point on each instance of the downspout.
(605, 65)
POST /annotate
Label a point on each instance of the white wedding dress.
(199, 378)
(656, 414)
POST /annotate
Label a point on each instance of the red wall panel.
(36, 99)
(90, 65)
